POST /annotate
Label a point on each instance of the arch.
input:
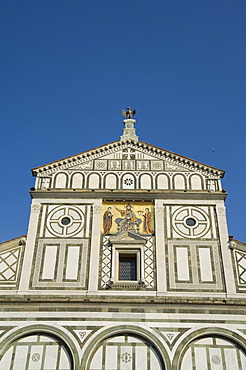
(179, 182)
(196, 182)
(130, 330)
(77, 180)
(61, 180)
(111, 181)
(94, 181)
(145, 182)
(49, 333)
(163, 182)
(128, 181)
(216, 332)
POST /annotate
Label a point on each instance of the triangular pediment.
(127, 237)
(129, 155)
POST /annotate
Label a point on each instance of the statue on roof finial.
(129, 113)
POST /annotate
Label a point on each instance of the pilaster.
(30, 245)
(160, 248)
(95, 247)
(225, 250)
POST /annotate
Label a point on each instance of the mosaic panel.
(136, 217)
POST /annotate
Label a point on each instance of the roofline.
(118, 142)
(11, 240)
(74, 155)
(238, 241)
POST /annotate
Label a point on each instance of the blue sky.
(69, 67)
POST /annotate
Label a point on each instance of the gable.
(128, 165)
(127, 151)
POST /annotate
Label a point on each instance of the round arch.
(126, 330)
(44, 330)
(215, 332)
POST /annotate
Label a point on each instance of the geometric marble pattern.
(200, 222)
(241, 266)
(106, 261)
(57, 270)
(148, 262)
(9, 263)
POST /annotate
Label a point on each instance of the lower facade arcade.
(110, 338)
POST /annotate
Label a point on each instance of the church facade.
(127, 264)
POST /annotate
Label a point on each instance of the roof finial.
(129, 113)
(129, 132)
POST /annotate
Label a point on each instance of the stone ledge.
(124, 300)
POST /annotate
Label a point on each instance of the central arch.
(125, 347)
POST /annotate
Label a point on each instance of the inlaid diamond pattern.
(106, 261)
(8, 264)
(149, 263)
(241, 266)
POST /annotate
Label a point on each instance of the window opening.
(128, 267)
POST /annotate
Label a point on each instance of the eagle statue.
(129, 113)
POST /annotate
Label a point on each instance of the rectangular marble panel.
(51, 357)
(205, 264)
(97, 360)
(50, 255)
(201, 358)
(20, 358)
(231, 358)
(72, 264)
(111, 357)
(182, 264)
(141, 357)
(35, 357)
(214, 357)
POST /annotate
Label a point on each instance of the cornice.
(109, 300)
(127, 194)
(143, 147)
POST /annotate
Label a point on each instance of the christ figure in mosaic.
(129, 222)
